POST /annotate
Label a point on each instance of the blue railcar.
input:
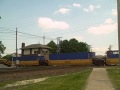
(78, 58)
(28, 58)
(72, 56)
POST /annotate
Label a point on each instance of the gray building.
(35, 49)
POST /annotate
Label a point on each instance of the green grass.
(114, 75)
(74, 81)
(2, 84)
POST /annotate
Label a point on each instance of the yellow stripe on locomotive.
(112, 61)
(70, 62)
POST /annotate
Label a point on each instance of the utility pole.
(118, 10)
(16, 47)
(44, 39)
(58, 45)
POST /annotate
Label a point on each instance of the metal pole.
(58, 45)
(118, 10)
(12, 62)
(44, 39)
(89, 47)
(16, 46)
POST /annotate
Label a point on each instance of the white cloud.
(76, 5)
(114, 12)
(91, 8)
(63, 11)
(107, 27)
(48, 23)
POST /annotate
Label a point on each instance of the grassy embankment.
(74, 81)
(114, 75)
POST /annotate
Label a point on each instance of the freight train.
(78, 58)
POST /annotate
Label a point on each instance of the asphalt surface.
(98, 80)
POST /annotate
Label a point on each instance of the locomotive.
(112, 57)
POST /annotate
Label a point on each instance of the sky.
(90, 21)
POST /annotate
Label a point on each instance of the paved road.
(98, 80)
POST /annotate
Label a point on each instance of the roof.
(36, 46)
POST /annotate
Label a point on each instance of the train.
(78, 58)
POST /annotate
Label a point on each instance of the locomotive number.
(67, 62)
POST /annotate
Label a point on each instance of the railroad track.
(31, 68)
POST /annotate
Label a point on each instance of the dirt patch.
(3, 66)
(25, 82)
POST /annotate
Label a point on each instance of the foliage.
(114, 75)
(53, 47)
(83, 47)
(2, 48)
(7, 57)
(66, 46)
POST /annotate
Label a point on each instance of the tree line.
(67, 46)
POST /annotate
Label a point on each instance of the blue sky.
(90, 21)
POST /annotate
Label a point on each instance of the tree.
(64, 46)
(74, 45)
(2, 48)
(83, 47)
(53, 46)
(7, 57)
